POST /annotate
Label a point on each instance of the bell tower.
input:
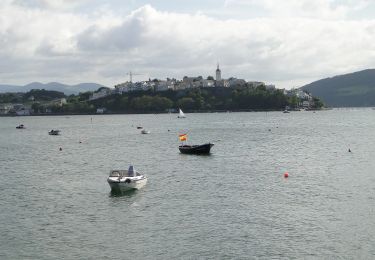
(218, 73)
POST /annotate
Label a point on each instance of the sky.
(287, 43)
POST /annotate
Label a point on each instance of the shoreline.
(148, 113)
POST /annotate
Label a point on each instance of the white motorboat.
(181, 114)
(144, 131)
(123, 180)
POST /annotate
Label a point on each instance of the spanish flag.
(183, 137)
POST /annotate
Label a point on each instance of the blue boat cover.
(131, 171)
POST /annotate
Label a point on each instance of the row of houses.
(15, 109)
(26, 110)
(175, 85)
(305, 99)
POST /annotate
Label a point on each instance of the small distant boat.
(21, 126)
(124, 180)
(196, 149)
(144, 131)
(181, 114)
(139, 127)
(54, 132)
(286, 110)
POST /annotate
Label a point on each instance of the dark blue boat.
(196, 149)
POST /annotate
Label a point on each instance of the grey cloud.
(129, 34)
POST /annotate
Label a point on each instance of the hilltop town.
(187, 83)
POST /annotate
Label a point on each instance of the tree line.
(189, 100)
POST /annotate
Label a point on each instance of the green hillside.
(350, 90)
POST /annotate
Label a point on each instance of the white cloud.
(38, 44)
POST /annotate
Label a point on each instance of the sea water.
(232, 204)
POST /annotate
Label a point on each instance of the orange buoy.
(286, 175)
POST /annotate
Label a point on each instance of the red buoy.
(286, 175)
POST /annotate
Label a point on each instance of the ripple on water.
(234, 204)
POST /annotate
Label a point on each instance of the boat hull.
(196, 149)
(125, 184)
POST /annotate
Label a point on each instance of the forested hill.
(349, 90)
(197, 99)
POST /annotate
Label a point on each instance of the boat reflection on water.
(120, 193)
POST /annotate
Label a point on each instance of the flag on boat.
(183, 137)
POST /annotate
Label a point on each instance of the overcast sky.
(287, 43)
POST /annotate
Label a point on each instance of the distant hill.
(67, 89)
(349, 90)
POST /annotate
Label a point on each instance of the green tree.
(37, 107)
(318, 104)
(186, 103)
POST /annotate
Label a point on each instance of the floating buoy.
(60, 149)
(349, 150)
(286, 175)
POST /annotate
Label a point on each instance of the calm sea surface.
(233, 204)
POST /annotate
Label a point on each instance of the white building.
(5, 108)
(58, 102)
(255, 84)
(303, 95)
(23, 112)
(164, 85)
(181, 85)
(270, 87)
(207, 83)
(100, 94)
(222, 83)
(233, 82)
(123, 87)
(137, 86)
(101, 110)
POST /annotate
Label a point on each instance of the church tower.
(218, 73)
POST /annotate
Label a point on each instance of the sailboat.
(181, 114)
